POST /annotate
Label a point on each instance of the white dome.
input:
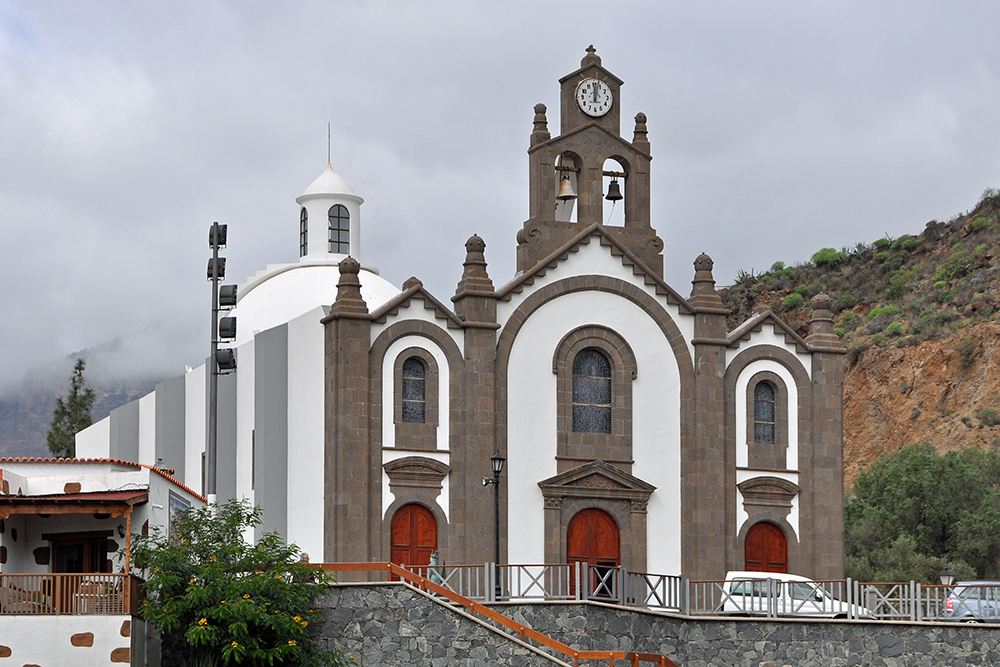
(282, 292)
(328, 183)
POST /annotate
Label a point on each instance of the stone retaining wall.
(392, 624)
(701, 642)
(395, 625)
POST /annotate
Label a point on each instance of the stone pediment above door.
(597, 479)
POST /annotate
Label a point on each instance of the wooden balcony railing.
(33, 594)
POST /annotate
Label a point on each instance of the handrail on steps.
(477, 608)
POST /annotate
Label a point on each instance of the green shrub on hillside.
(845, 301)
(828, 257)
(793, 300)
(988, 417)
(894, 329)
(977, 224)
(885, 310)
(882, 243)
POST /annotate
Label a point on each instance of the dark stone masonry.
(392, 624)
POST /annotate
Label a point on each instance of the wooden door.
(414, 535)
(766, 549)
(592, 537)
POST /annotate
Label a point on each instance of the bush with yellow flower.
(230, 602)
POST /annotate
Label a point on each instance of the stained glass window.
(414, 390)
(591, 392)
(763, 413)
(340, 229)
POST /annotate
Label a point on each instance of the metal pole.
(496, 534)
(213, 384)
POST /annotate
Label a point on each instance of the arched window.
(763, 413)
(591, 392)
(340, 229)
(414, 391)
(303, 232)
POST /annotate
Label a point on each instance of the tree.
(229, 601)
(916, 511)
(71, 415)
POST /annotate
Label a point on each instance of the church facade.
(637, 430)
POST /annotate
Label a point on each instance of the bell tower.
(567, 173)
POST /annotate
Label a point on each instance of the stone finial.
(703, 294)
(349, 299)
(821, 333)
(591, 58)
(639, 139)
(475, 278)
(541, 131)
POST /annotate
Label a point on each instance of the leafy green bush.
(884, 310)
(956, 266)
(882, 243)
(988, 417)
(828, 257)
(803, 290)
(946, 296)
(911, 244)
(778, 266)
(845, 301)
(883, 257)
(793, 300)
(895, 328)
(941, 284)
(947, 505)
(977, 224)
(229, 601)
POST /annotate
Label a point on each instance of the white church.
(637, 430)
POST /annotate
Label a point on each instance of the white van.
(753, 593)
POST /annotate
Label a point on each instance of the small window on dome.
(303, 232)
(340, 229)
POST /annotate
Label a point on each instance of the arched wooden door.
(766, 549)
(414, 535)
(592, 537)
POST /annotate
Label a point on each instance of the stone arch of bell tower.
(590, 140)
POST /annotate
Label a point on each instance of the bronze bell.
(565, 190)
(614, 192)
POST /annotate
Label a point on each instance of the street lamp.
(947, 578)
(496, 462)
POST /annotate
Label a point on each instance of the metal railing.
(35, 594)
(772, 598)
(557, 581)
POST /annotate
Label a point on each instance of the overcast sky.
(126, 128)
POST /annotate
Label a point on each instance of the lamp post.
(496, 462)
(947, 578)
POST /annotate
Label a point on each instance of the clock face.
(594, 97)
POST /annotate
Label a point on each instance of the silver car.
(973, 602)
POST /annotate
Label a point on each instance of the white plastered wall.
(195, 427)
(94, 441)
(388, 423)
(416, 311)
(245, 407)
(532, 410)
(147, 428)
(306, 441)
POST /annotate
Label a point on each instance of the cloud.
(777, 128)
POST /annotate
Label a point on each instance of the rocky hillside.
(918, 315)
